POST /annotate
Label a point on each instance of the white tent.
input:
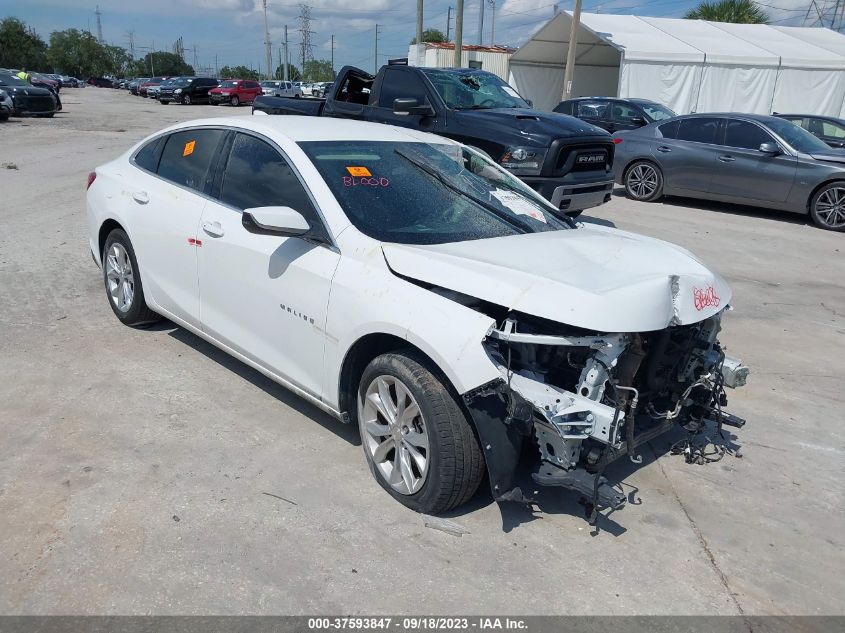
(689, 65)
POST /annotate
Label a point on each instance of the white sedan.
(408, 284)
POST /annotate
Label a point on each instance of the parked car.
(612, 114)
(43, 81)
(153, 89)
(100, 82)
(410, 285)
(135, 84)
(28, 100)
(567, 161)
(152, 81)
(322, 89)
(829, 129)
(186, 90)
(235, 92)
(757, 160)
(280, 89)
(7, 106)
(69, 82)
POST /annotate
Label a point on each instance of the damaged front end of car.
(585, 399)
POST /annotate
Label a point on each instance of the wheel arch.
(819, 187)
(106, 227)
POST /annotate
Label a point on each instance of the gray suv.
(750, 159)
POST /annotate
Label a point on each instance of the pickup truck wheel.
(643, 181)
(827, 207)
(123, 281)
(234, 101)
(417, 440)
(186, 99)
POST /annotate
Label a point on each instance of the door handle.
(213, 228)
(726, 158)
(664, 149)
(141, 197)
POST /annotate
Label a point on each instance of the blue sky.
(233, 30)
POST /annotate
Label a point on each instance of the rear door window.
(698, 130)
(187, 157)
(745, 135)
(623, 113)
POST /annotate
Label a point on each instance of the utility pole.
(152, 54)
(459, 32)
(333, 75)
(571, 53)
(448, 22)
(481, 22)
(194, 47)
(98, 13)
(493, 24)
(216, 66)
(287, 55)
(267, 44)
(376, 60)
(419, 31)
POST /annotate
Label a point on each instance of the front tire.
(235, 101)
(827, 207)
(186, 99)
(643, 181)
(123, 281)
(417, 440)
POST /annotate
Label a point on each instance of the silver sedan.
(756, 160)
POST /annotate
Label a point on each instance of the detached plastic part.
(582, 481)
(734, 372)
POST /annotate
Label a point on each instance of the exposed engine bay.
(585, 398)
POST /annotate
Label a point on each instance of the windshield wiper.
(482, 203)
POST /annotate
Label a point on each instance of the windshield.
(657, 112)
(419, 193)
(478, 90)
(797, 137)
(229, 84)
(179, 82)
(9, 80)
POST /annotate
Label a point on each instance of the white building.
(688, 65)
(493, 59)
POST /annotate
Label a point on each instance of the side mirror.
(638, 120)
(280, 221)
(770, 148)
(530, 103)
(411, 106)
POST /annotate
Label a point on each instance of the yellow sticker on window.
(359, 171)
(189, 148)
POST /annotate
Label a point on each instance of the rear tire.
(122, 280)
(643, 181)
(439, 464)
(827, 207)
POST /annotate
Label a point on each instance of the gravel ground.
(145, 472)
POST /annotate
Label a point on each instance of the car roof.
(810, 116)
(309, 128)
(760, 118)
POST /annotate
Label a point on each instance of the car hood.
(832, 156)
(31, 91)
(527, 127)
(590, 277)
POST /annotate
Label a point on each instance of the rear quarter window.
(669, 130)
(147, 157)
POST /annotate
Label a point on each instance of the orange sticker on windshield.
(361, 172)
(189, 148)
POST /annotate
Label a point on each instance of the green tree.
(78, 53)
(160, 63)
(21, 46)
(736, 11)
(318, 70)
(120, 60)
(293, 72)
(431, 35)
(238, 72)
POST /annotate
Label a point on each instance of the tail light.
(91, 178)
(617, 140)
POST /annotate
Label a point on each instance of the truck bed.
(288, 105)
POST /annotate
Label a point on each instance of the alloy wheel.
(642, 181)
(394, 434)
(830, 207)
(186, 99)
(120, 277)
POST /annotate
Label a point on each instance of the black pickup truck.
(565, 159)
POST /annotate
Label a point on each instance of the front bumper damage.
(586, 400)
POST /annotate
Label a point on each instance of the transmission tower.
(306, 48)
(825, 13)
(98, 13)
(131, 36)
